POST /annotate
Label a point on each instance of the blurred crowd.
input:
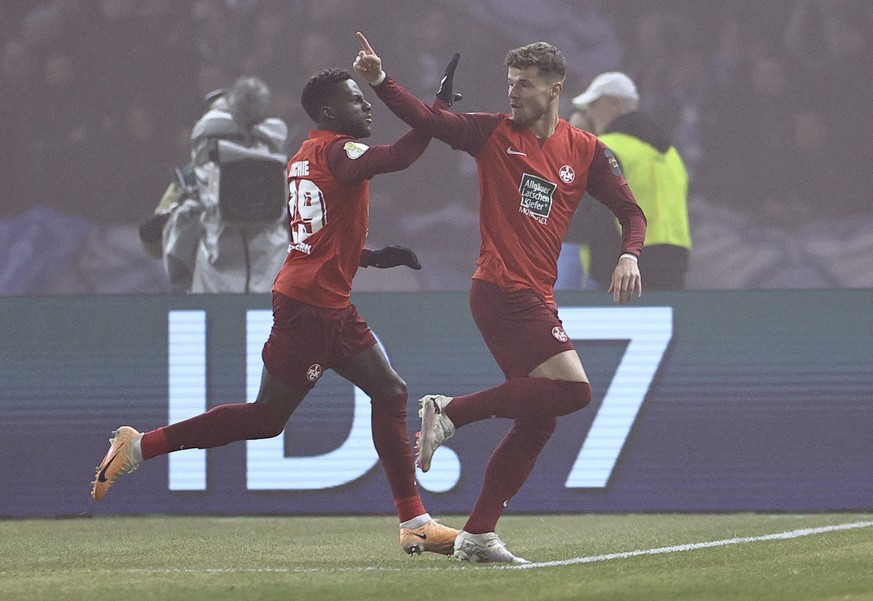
(767, 102)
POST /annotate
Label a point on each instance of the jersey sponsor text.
(536, 197)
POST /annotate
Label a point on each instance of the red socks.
(507, 471)
(391, 439)
(520, 398)
(228, 423)
(534, 404)
(217, 427)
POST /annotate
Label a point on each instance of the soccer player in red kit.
(533, 170)
(315, 326)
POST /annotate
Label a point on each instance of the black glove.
(390, 256)
(445, 92)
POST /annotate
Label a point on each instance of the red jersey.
(328, 211)
(528, 189)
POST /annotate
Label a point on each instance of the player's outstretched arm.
(462, 131)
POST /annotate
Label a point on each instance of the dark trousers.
(664, 267)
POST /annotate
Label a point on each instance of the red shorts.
(520, 328)
(306, 340)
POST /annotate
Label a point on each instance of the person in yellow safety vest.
(654, 171)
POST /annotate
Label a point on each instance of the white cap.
(607, 84)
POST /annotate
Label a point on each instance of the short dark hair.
(319, 89)
(541, 55)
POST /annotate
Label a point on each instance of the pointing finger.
(364, 43)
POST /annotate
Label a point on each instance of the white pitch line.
(528, 566)
(692, 546)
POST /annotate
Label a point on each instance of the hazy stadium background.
(767, 392)
(768, 102)
(762, 401)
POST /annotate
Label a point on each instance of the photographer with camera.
(222, 221)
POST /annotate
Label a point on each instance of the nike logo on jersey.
(509, 150)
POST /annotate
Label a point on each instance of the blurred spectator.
(18, 78)
(669, 58)
(746, 164)
(816, 184)
(61, 135)
(579, 29)
(832, 42)
(823, 34)
(654, 171)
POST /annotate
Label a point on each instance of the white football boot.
(436, 427)
(483, 548)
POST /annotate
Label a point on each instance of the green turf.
(249, 558)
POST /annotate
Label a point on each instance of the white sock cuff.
(416, 522)
(136, 449)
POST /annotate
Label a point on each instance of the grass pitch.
(578, 557)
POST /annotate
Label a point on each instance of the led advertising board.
(703, 401)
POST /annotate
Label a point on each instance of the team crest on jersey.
(567, 174)
(559, 334)
(536, 197)
(314, 372)
(355, 150)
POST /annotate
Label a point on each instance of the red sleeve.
(607, 184)
(461, 131)
(382, 158)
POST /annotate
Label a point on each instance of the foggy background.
(768, 103)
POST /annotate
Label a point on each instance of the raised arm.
(462, 131)
(352, 161)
